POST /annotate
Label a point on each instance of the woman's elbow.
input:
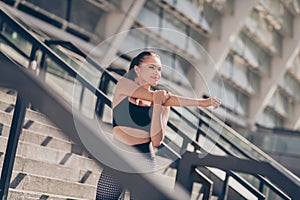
(156, 143)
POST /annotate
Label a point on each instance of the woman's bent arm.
(160, 117)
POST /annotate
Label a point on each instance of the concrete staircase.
(48, 164)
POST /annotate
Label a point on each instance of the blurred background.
(252, 61)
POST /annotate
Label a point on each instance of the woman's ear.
(136, 69)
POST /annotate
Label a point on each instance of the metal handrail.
(190, 159)
(229, 152)
(237, 135)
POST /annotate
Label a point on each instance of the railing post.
(184, 170)
(103, 87)
(1, 25)
(261, 186)
(32, 65)
(43, 67)
(183, 175)
(32, 59)
(199, 132)
(207, 185)
(207, 192)
(81, 97)
(11, 148)
(224, 194)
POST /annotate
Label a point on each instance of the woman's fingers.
(216, 102)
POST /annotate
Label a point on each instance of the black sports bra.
(131, 115)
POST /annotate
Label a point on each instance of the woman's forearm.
(175, 100)
(157, 125)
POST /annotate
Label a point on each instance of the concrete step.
(43, 129)
(8, 91)
(7, 98)
(199, 196)
(46, 140)
(34, 116)
(7, 103)
(29, 182)
(46, 154)
(14, 194)
(56, 171)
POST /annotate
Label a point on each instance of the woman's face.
(149, 71)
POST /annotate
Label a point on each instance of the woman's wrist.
(204, 102)
(169, 96)
(157, 104)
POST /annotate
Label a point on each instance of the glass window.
(254, 81)
(239, 44)
(291, 85)
(235, 99)
(166, 60)
(83, 12)
(242, 104)
(134, 40)
(182, 67)
(279, 102)
(240, 73)
(264, 61)
(227, 68)
(189, 9)
(149, 15)
(197, 43)
(252, 20)
(213, 19)
(267, 34)
(230, 96)
(296, 66)
(255, 55)
(217, 88)
(250, 53)
(174, 25)
(269, 119)
(279, 11)
(57, 7)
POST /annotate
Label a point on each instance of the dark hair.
(136, 61)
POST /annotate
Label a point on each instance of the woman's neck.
(146, 86)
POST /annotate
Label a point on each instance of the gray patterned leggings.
(108, 187)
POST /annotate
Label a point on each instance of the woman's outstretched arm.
(130, 88)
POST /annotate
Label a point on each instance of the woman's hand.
(160, 97)
(213, 101)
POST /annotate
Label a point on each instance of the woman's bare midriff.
(131, 136)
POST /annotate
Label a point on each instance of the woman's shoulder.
(125, 80)
(126, 85)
